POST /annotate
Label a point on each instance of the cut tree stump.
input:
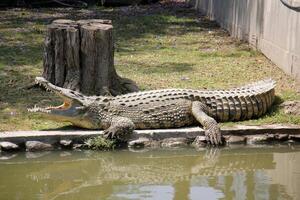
(79, 55)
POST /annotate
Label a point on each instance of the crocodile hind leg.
(120, 127)
(211, 128)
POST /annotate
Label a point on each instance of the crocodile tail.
(265, 92)
(242, 103)
(255, 98)
(260, 86)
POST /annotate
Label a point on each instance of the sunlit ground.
(158, 46)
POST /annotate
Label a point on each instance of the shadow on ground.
(23, 30)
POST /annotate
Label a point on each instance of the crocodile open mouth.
(63, 107)
(64, 94)
(74, 107)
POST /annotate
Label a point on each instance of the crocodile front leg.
(212, 131)
(119, 128)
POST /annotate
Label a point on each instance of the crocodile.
(166, 108)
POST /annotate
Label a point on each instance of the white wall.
(266, 24)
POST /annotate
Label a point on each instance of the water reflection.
(264, 173)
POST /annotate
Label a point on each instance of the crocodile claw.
(213, 136)
(115, 134)
(110, 134)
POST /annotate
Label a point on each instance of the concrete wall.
(267, 25)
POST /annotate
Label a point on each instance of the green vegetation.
(157, 46)
(99, 143)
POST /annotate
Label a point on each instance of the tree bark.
(79, 55)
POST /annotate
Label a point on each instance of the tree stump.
(79, 55)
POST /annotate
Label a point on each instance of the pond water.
(270, 172)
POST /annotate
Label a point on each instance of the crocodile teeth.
(37, 109)
(48, 89)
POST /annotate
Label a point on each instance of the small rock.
(259, 139)
(201, 138)
(9, 146)
(175, 142)
(291, 107)
(66, 143)
(200, 141)
(281, 137)
(233, 139)
(295, 137)
(38, 146)
(155, 144)
(140, 143)
(78, 146)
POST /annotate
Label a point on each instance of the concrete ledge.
(239, 133)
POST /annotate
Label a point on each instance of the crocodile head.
(74, 109)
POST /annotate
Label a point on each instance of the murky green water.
(240, 173)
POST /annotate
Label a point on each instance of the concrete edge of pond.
(58, 139)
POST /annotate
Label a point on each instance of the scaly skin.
(168, 108)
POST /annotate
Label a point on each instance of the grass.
(100, 143)
(158, 46)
